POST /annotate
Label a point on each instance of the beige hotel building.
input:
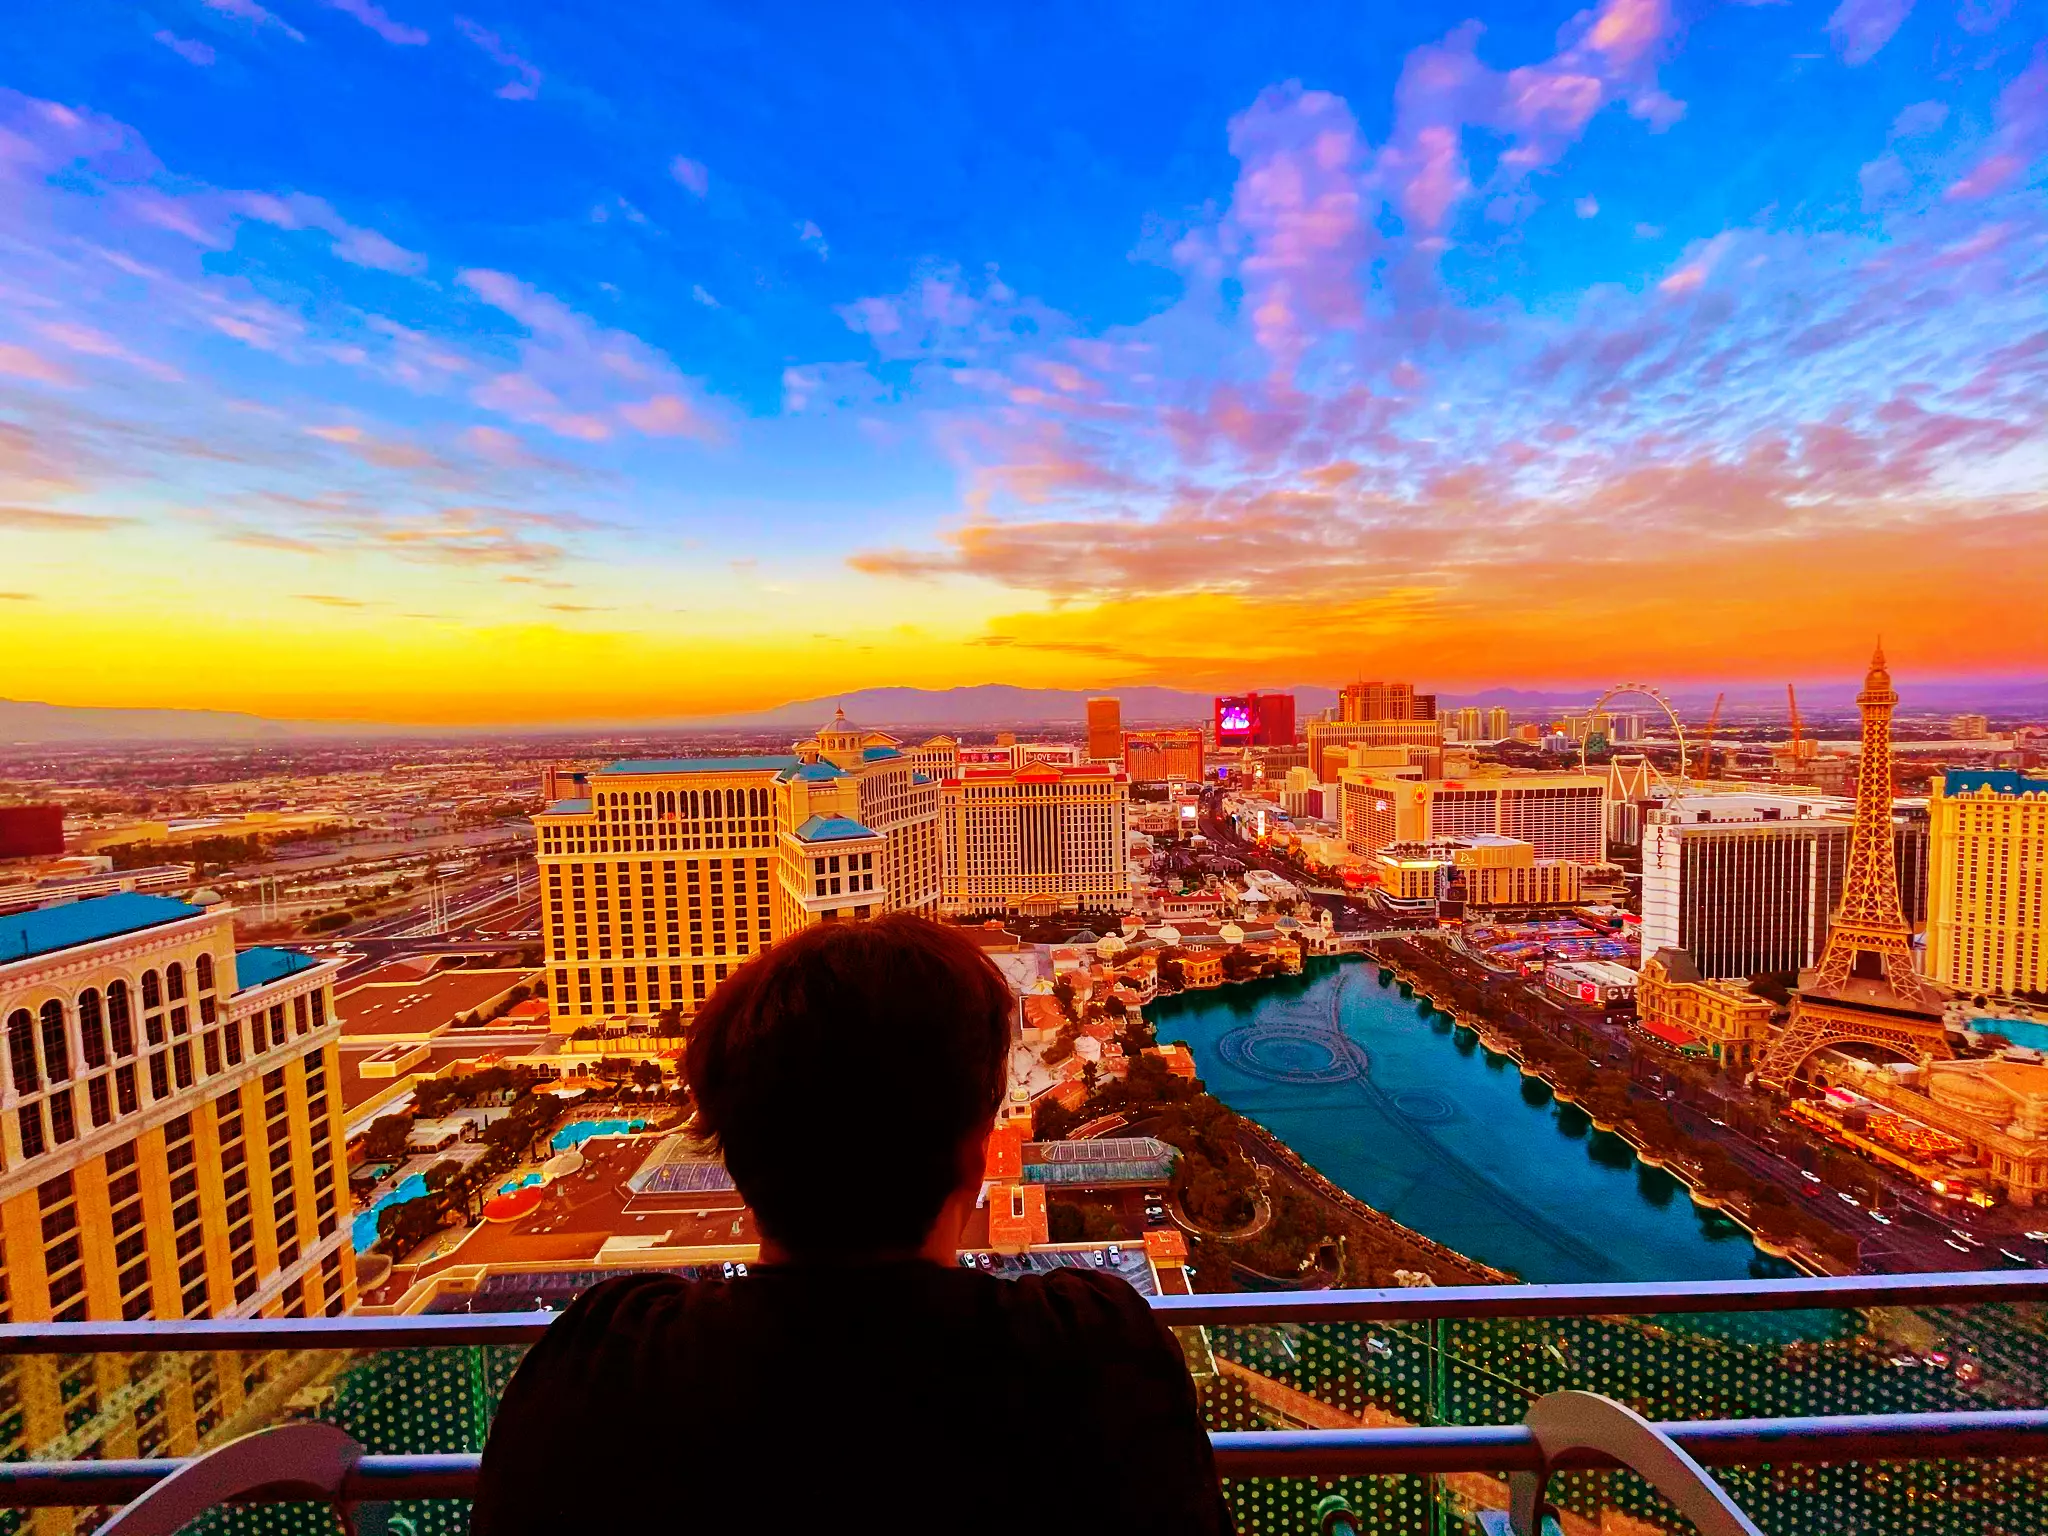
(1987, 882)
(1035, 840)
(665, 874)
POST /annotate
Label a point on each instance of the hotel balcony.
(1887, 1405)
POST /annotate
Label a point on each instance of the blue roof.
(569, 808)
(261, 966)
(874, 754)
(814, 770)
(831, 829)
(83, 922)
(2000, 781)
(763, 763)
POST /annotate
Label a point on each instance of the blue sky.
(720, 355)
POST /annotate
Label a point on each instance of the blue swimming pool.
(2028, 1032)
(576, 1132)
(509, 1185)
(363, 1230)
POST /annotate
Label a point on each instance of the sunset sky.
(509, 364)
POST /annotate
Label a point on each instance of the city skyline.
(404, 364)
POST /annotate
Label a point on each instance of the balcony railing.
(1927, 1396)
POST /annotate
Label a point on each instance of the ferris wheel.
(1656, 696)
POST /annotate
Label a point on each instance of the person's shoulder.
(1086, 1301)
(625, 1305)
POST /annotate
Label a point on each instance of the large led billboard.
(1233, 721)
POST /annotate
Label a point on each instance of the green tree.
(385, 1139)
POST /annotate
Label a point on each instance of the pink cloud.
(666, 416)
(1541, 109)
(1860, 28)
(577, 378)
(191, 50)
(88, 342)
(1626, 30)
(373, 16)
(1300, 208)
(177, 215)
(255, 15)
(1434, 178)
(691, 174)
(525, 82)
(2021, 134)
(24, 364)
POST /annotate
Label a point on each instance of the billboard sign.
(1233, 720)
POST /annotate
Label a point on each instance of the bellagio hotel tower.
(664, 874)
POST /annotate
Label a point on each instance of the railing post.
(1439, 1406)
(479, 1395)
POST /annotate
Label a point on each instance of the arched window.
(174, 980)
(118, 1019)
(56, 1046)
(21, 1051)
(202, 973)
(92, 1034)
(152, 992)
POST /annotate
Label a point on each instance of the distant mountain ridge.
(978, 707)
(987, 704)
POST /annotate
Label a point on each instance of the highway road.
(1917, 1235)
(1351, 914)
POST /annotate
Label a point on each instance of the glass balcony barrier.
(1885, 1406)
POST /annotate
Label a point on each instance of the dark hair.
(841, 1070)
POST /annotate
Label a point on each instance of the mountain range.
(979, 707)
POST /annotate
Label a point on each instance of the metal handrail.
(1255, 1453)
(1633, 1299)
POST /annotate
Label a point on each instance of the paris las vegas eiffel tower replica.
(1864, 990)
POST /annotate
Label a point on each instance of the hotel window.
(119, 1023)
(63, 1256)
(188, 1237)
(92, 1034)
(21, 1052)
(131, 1248)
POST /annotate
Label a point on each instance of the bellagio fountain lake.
(1392, 1101)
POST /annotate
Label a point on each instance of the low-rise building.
(1998, 1107)
(1678, 1006)
(1591, 983)
(1482, 871)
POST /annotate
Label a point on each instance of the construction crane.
(1707, 746)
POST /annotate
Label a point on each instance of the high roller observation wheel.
(1648, 691)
